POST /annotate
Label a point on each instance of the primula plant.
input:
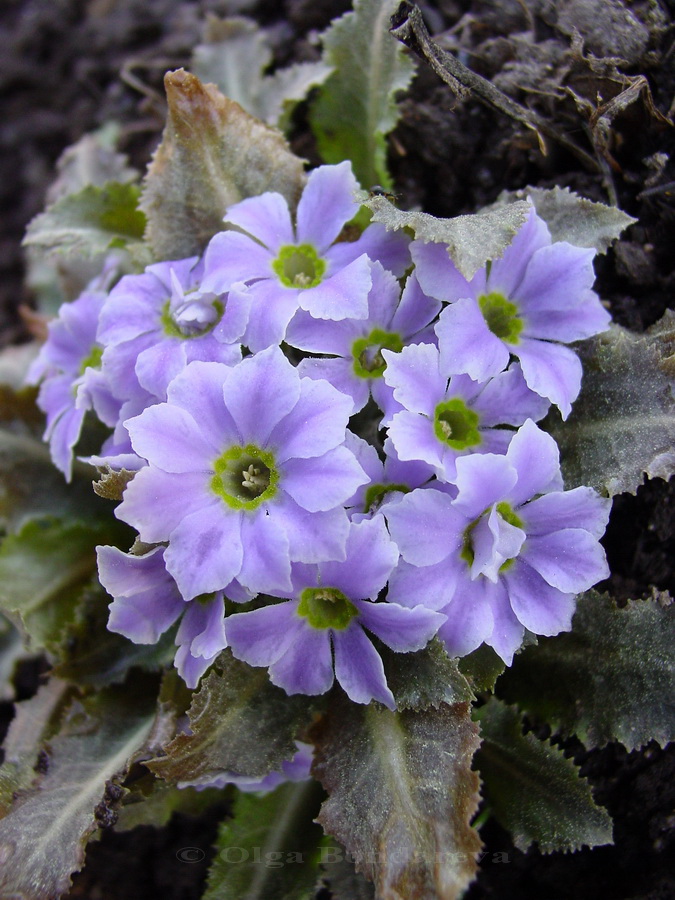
(351, 469)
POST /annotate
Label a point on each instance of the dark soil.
(67, 66)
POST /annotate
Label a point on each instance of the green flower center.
(377, 492)
(501, 316)
(180, 321)
(367, 352)
(245, 477)
(93, 361)
(299, 266)
(456, 425)
(505, 510)
(326, 608)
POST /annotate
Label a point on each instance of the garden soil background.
(68, 66)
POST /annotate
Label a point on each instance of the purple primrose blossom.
(287, 267)
(529, 303)
(446, 416)
(69, 367)
(326, 605)
(147, 602)
(152, 325)
(357, 365)
(247, 471)
(510, 552)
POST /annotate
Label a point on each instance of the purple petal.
(482, 480)
(542, 609)
(466, 343)
(414, 438)
(507, 400)
(324, 335)
(359, 668)
(260, 637)
(536, 458)
(556, 277)
(551, 370)
(431, 586)
(189, 667)
(133, 308)
(64, 435)
(156, 502)
(371, 556)
(571, 559)
(313, 537)
(415, 310)
(438, 275)
(315, 425)
(203, 627)
(306, 666)
(157, 366)
(494, 541)
(321, 484)
(259, 392)
(507, 273)
(327, 203)
(580, 508)
(205, 551)
(589, 317)
(415, 377)
(125, 574)
(271, 308)
(507, 631)
(265, 567)
(266, 217)
(340, 374)
(199, 391)
(400, 628)
(426, 527)
(390, 249)
(343, 295)
(169, 437)
(469, 617)
(231, 258)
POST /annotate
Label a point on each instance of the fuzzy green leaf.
(89, 222)
(534, 791)
(162, 802)
(42, 839)
(343, 881)
(472, 240)
(212, 155)
(34, 722)
(612, 678)
(622, 426)
(234, 56)
(271, 849)
(482, 668)
(573, 218)
(239, 723)
(401, 795)
(11, 651)
(43, 569)
(356, 108)
(426, 678)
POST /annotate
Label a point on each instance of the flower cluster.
(274, 520)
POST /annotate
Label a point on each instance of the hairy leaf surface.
(356, 108)
(401, 795)
(239, 722)
(212, 155)
(271, 849)
(572, 218)
(234, 57)
(42, 839)
(426, 678)
(89, 222)
(612, 678)
(622, 426)
(534, 791)
(472, 240)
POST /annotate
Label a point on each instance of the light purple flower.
(529, 303)
(509, 553)
(326, 606)
(72, 383)
(147, 602)
(356, 345)
(154, 324)
(246, 472)
(390, 479)
(446, 416)
(288, 267)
